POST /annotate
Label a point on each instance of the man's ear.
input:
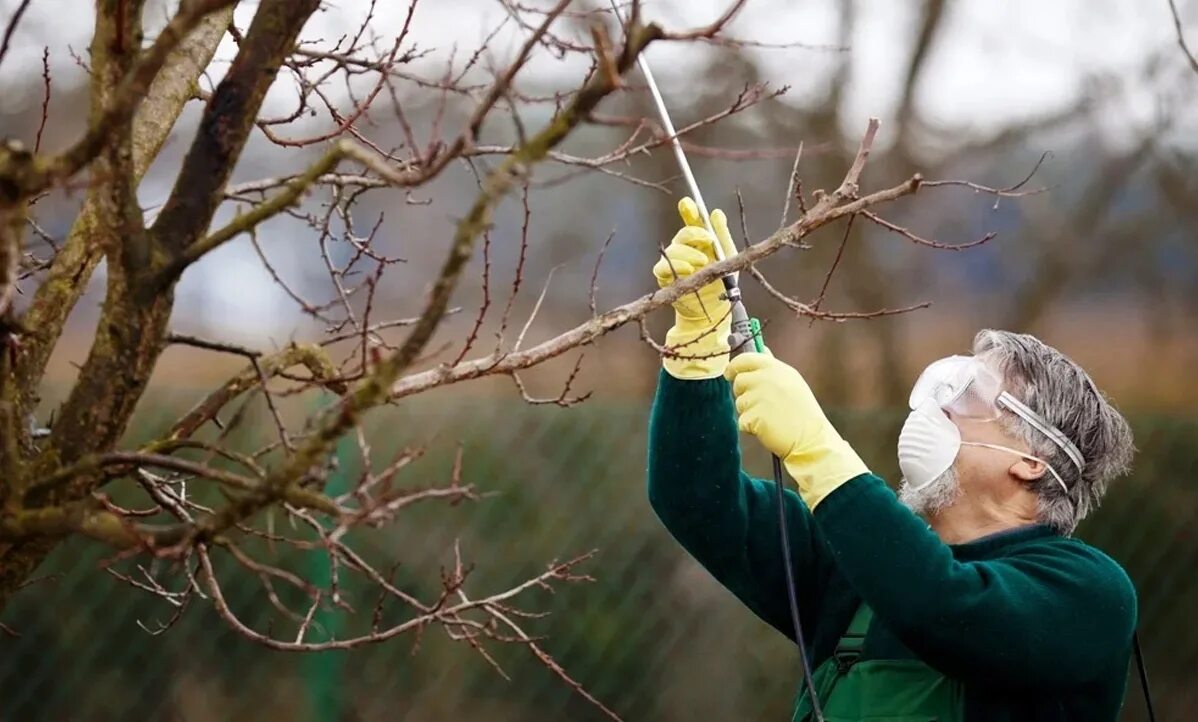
(1028, 469)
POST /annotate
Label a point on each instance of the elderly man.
(964, 597)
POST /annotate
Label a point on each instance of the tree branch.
(845, 201)
(708, 31)
(130, 461)
(40, 173)
(311, 357)
(56, 522)
(376, 388)
(933, 15)
(74, 263)
(132, 330)
(243, 222)
(227, 121)
(1181, 37)
(11, 28)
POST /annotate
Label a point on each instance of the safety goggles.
(964, 387)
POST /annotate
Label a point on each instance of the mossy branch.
(312, 357)
(56, 522)
(73, 265)
(132, 329)
(127, 462)
(227, 121)
(34, 174)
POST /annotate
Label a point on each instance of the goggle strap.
(1025, 412)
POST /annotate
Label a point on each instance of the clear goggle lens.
(960, 385)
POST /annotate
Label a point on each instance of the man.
(964, 597)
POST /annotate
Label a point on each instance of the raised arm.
(724, 518)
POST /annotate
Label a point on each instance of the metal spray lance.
(744, 328)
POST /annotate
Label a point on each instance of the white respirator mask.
(962, 386)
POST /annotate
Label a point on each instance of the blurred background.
(1103, 265)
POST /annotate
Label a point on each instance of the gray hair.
(1060, 391)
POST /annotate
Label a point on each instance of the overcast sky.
(997, 59)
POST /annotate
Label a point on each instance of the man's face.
(977, 471)
(983, 469)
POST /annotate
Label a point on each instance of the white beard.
(942, 493)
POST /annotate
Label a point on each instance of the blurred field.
(652, 637)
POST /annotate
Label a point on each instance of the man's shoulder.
(1089, 553)
(1087, 566)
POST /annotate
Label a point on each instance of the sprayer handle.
(744, 329)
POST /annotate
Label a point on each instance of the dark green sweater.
(1037, 626)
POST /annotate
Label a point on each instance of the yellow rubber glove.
(699, 337)
(776, 405)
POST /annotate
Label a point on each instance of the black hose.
(788, 565)
(1135, 637)
(746, 333)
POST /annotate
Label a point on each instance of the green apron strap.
(848, 649)
(905, 690)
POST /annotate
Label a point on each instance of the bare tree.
(55, 469)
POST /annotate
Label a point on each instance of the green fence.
(652, 637)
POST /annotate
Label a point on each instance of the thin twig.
(791, 186)
(518, 279)
(802, 309)
(848, 229)
(41, 127)
(905, 233)
(1181, 38)
(708, 31)
(535, 309)
(264, 383)
(13, 22)
(1011, 191)
(485, 305)
(225, 346)
(595, 272)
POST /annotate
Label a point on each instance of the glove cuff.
(702, 352)
(824, 468)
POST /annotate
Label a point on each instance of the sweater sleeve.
(724, 518)
(1046, 615)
